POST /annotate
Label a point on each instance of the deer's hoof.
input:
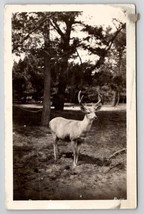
(74, 165)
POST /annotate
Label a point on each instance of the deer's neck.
(86, 124)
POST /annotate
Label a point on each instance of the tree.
(31, 33)
(68, 47)
(109, 48)
(118, 54)
(46, 39)
(27, 28)
(19, 80)
(47, 76)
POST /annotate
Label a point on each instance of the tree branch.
(56, 27)
(117, 152)
(79, 56)
(33, 30)
(110, 44)
(120, 164)
(112, 40)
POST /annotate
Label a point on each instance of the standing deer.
(74, 130)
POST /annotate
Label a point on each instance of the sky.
(103, 15)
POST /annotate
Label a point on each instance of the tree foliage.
(49, 44)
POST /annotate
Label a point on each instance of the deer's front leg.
(73, 143)
(76, 149)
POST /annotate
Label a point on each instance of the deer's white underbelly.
(72, 129)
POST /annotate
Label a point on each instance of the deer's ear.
(97, 108)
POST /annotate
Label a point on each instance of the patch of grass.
(38, 177)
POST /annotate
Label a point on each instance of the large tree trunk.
(46, 96)
(65, 45)
(47, 77)
(59, 99)
(116, 98)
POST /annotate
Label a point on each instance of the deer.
(74, 130)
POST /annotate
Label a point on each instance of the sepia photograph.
(71, 99)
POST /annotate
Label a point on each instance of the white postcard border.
(131, 201)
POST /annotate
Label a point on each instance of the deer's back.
(64, 128)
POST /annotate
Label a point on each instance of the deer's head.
(90, 109)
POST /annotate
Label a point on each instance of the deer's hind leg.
(55, 147)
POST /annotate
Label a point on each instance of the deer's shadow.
(88, 159)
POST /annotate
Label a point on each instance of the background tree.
(49, 44)
(68, 47)
(109, 47)
(118, 54)
(32, 32)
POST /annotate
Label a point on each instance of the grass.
(38, 177)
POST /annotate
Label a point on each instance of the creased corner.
(116, 204)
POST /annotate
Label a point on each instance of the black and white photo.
(70, 106)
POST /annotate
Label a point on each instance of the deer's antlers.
(99, 99)
(80, 98)
(96, 104)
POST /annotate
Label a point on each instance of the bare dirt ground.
(38, 177)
